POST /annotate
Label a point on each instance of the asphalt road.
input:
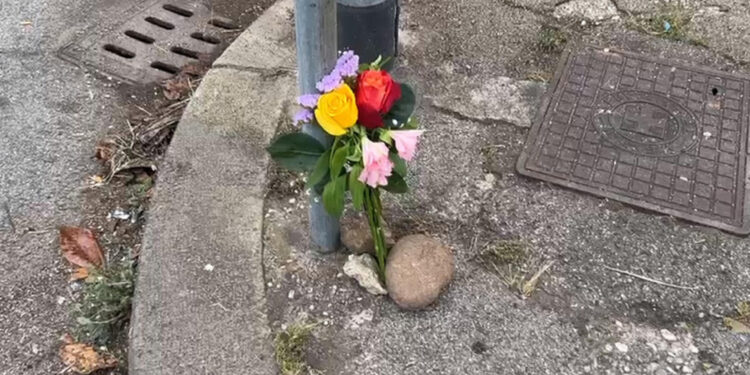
(51, 115)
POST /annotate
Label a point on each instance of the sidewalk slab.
(200, 306)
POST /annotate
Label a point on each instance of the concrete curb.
(200, 303)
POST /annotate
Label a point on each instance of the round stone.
(417, 270)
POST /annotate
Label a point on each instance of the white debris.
(364, 269)
(208, 267)
(119, 214)
(623, 348)
(291, 294)
(669, 336)
(357, 320)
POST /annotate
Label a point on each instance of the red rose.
(376, 93)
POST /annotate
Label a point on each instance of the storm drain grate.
(648, 132)
(155, 42)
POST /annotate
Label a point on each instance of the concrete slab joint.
(208, 210)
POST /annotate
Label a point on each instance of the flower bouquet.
(370, 117)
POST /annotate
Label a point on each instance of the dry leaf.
(105, 149)
(80, 247)
(79, 274)
(83, 359)
(736, 326)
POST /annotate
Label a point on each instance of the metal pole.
(369, 27)
(316, 55)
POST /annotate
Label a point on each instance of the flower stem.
(374, 213)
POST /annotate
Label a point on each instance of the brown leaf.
(194, 69)
(105, 149)
(79, 274)
(176, 88)
(83, 359)
(80, 247)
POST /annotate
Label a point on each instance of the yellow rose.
(337, 110)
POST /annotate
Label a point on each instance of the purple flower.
(308, 100)
(330, 82)
(304, 116)
(346, 66)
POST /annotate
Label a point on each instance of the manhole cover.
(649, 132)
(153, 42)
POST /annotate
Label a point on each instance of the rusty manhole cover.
(649, 132)
(152, 43)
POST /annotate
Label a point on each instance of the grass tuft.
(289, 348)
(105, 306)
(743, 312)
(512, 261)
(507, 252)
(551, 39)
(672, 21)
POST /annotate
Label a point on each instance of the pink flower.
(406, 142)
(378, 166)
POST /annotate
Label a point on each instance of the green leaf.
(411, 124)
(396, 184)
(333, 196)
(364, 67)
(403, 108)
(321, 168)
(339, 158)
(357, 188)
(322, 184)
(296, 151)
(385, 136)
(399, 165)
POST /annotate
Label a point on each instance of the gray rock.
(593, 10)
(417, 270)
(363, 268)
(356, 235)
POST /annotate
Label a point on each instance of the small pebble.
(608, 348)
(621, 347)
(291, 294)
(669, 336)
(208, 267)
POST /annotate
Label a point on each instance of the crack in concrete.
(6, 208)
(464, 117)
(264, 72)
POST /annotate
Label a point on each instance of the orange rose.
(376, 93)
